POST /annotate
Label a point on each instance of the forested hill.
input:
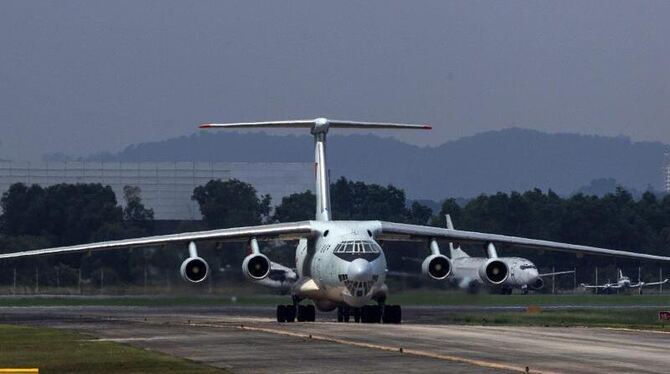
(511, 159)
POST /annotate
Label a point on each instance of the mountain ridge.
(503, 160)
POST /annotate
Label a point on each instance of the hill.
(505, 160)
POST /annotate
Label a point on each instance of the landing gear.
(343, 313)
(286, 313)
(306, 313)
(524, 289)
(506, 290)
(371, 314)
(392, 314)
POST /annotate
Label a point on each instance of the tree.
(296, 207)
(135, 215)
(231, 203)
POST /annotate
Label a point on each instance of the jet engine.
(494, 271)
(194, 269)
(537, 285)
(256, 266)
(436, 266)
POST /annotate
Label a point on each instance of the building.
(166, 186)
(666, 169)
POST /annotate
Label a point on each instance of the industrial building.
(666, 172)
(166, 186)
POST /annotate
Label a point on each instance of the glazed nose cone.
(359, 270)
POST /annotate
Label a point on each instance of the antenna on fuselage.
(319, 128)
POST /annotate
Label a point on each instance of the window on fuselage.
(357, 247)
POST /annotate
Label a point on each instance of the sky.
(81, 77)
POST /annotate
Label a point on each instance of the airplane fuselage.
(342, 265)
(522, 272)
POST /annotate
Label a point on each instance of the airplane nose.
(359, 270)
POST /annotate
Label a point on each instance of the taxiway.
(247, 340)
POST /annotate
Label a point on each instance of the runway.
(247, 340)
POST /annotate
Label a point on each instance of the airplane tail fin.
(319, 128)
(455, 251)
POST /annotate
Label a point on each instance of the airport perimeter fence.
(106, 282)
(167, 281)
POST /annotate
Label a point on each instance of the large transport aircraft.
(521, 272)
(338, 264)
(622, 283)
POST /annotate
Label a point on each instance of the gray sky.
(85, 76)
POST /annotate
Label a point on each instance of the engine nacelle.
(325, 305)
(256, 266)
(537, 285)
(194, 269)
(436, 266)
(494, 271)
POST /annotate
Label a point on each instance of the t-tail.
(319, 128)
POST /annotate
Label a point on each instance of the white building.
(667, 173)
(166, 186)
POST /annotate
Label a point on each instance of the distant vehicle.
(622, 283)
(521, 272)
(339, 265)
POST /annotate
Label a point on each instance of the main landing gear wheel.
(371, 314)
(343, 314)
(392, 314)
(306, 313)
(286, 313)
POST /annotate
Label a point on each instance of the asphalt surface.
(247, 340)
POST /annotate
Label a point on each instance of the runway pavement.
(247, 340)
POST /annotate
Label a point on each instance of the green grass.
(158, 301)
(58, 351)
(636, 319)
(428, 297)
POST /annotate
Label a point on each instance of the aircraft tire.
(311, 313)
(302, 313)
(281, 313)
(290, 313)
(393, 314)
(375, 314)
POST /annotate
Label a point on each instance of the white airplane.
(518, 272)
(622, 283)
(339, 264)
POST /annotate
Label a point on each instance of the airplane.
(622, 283)
(521, 272)
(338, 264)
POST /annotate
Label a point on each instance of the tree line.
(66, 214)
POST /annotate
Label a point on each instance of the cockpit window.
(526, 266)
(357, 247)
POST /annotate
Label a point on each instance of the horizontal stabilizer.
(318, 123)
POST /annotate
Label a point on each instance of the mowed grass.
(633, 318)
(427, 297)
(58, 351)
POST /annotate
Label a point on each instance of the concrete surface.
(247, 340)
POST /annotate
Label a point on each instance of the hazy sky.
(85, 76)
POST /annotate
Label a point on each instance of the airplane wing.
(589, 286)
(557, 273)
(402, 231)
(285, 231)
(654, 283)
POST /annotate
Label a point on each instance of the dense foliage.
(35, 217)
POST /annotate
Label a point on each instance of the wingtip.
(205, 126)
(427, 127)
